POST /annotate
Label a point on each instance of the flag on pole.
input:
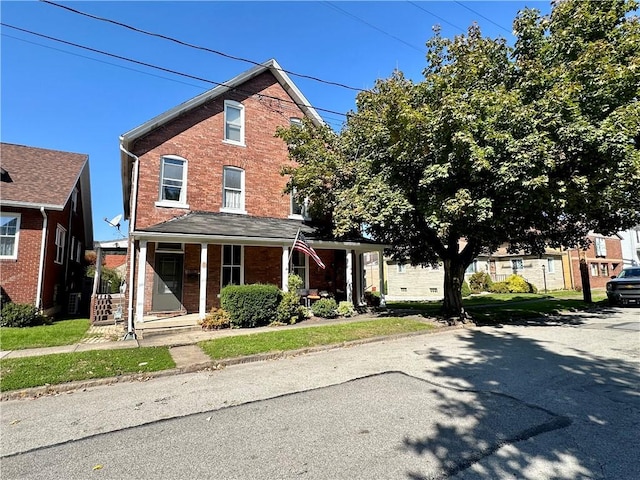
(303, 246)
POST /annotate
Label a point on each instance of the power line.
(335, 7)
(438, 17)
(164, 69)
(486, 18)
(102, 61)
(197, 47)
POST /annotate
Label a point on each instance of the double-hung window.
(233, 190)
(232, 261)
(601, 247)
(299, 262)
(517, 265)
(9, 233)
(173, 182)
(61, 234)
(298, 209)
(233, 122)
(551, 266)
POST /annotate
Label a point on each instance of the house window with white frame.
(402, 268)
(72, 248)
(517, 265)
(173, 182)
(9, 234)
(233, 190)
(74, 200)
(233, 122)
(299, 266)
(298, 210)
(594, 269)
(604, 269)
(551, 265)
(232, 265)
(601, 247)
(61, 234)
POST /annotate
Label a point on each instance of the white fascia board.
(17, 204)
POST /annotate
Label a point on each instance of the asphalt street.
(559, 399)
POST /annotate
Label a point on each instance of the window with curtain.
(233, 189)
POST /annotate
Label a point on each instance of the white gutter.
(131, 247)
(43, 244)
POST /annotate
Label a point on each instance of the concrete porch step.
(144, 332)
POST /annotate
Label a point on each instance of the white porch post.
(358, 278)
(142, 270)
(349, 276)
(381, 275)
(202, 310)
(285, 269)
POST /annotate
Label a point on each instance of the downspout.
(45, 223)
(133, 201)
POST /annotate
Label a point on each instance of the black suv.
(625, 288)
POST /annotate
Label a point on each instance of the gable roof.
(128, 139)
(37, 177)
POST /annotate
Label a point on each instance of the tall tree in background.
(530, 146)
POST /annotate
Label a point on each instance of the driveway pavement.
(556, 400)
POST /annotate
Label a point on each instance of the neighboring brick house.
(45, 225)
(603, 258)
(204, 198)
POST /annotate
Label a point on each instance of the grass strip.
(17, 373)
(64, 332)
(293, 339)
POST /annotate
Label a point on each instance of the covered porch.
(180, 266)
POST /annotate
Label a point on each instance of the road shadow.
(594, 403)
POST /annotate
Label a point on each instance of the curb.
(70, 387)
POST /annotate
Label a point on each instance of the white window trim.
(74, 200)
(239, 106)
(242, 209)
(305, 280)
(305, 208)
(79, 251)
(182, 203)
(600, 247)
(14, 256)
(60, 247)
(551, 265)
(223, 265)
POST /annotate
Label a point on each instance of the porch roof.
(228, 227)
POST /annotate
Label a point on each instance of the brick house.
(206, 205)
(603, 258)
(45, 226)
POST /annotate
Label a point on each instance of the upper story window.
(298, 209)
(601, 247)
(233, 122)
(551, 265)
(173, 182)
(74, 200)
(517, 264)
(9, 233)
(402, 268)
(61, 234)
(233, 190)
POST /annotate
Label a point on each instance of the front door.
(167, 285)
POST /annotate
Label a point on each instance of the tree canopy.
(532, 145)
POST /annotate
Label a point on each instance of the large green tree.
(531, 145)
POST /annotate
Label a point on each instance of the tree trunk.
(453, 278)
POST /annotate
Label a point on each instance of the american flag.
(302, 246)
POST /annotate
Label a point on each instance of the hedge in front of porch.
(250, 305)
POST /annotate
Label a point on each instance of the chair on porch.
(313, 296)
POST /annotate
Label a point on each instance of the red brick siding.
(198, 137)
(613, 260)
(263, 265)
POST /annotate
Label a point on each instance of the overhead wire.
(164, 69)
(482, 16)
(197, 47)
(348, 14)
(444, 20)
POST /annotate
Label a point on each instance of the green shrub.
(480, 282)
(289, 310)
(372, 298)
(466, 291)
(109, 275)
(517, 284)
(250, 305)
(20, 315)
(325, 308)
(216, 319)
(499, 287)
(345, 309)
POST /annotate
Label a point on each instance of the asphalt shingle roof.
(38, 176)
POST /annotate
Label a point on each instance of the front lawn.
(293, 339)
(18, 373)
(63, 332)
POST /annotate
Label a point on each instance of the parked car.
(625, 288)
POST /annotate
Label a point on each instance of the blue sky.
(62, 97)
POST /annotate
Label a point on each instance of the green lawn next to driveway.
(63, 332)
(18, 373)
(293, 339)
